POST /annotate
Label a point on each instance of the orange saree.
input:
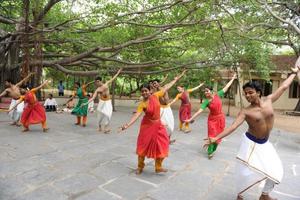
(34, 112)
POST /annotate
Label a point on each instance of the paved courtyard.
(71, 162)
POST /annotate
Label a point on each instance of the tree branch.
(6, 21)
(268, 9)
(46, 9)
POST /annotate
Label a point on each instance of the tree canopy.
(146, 37)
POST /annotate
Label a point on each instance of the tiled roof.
(283, 62)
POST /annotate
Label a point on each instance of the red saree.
(34, 112)
(216, 118)
(185, 107)
(153, 140)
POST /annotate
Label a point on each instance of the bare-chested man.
(104, 109)
(258, 160)
(13, 91)
(166, 114)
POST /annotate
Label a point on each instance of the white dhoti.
(17, 112)
(167, 118)
(258, 161)
(104, 112)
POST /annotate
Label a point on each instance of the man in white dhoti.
(13, 91)
(166, 114)
(257, 158)
(104, 108)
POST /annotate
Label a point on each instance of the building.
(281, 70)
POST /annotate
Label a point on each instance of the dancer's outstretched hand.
(123, 128)
(295, 69)
(82, 105)
(209, 141)
(189, 121)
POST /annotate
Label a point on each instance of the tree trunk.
(38, 42)
(25, 40)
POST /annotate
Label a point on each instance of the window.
(294, 90)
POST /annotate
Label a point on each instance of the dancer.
(153, 140)
(216, 118)
(166, 114)
(104, 109)
(34, 112)
(258, 160)
(13, 91)
(185, 107)
(79, 110)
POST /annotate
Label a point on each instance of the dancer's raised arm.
(4, 93)
(285, 85)
(164, 79)
(41, 86)
(114, 77)
(169, 85)
(24, 79)
(87, 84)
(195, 88)
(227, 86)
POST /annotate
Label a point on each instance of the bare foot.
(25, 130)
(83, 125)
(161, 170)
(211, 155)
(13, 123)
(266, 197)
(239, 197)
(138, 171)
(107, 131)
(187, 130)
(77, 123)
(45, 130)
(172, 141)
(18, 124)
(99, 128)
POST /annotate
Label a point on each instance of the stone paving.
(71, 162)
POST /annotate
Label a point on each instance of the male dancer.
(258, 158)
(104, 109)
(13, 91)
